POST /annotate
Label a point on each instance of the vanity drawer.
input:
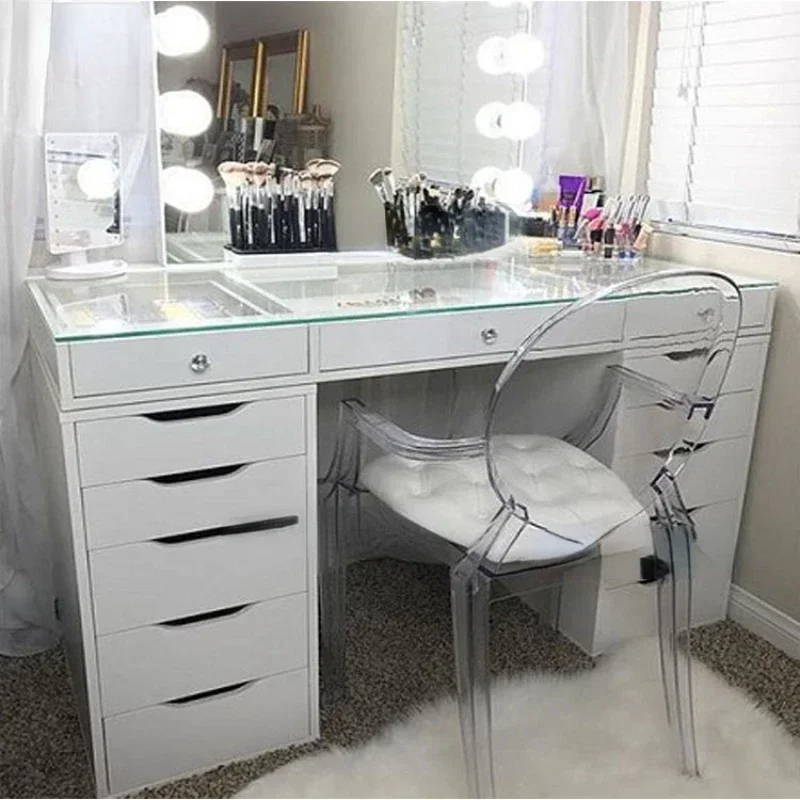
(166, 443)
(180, 737)
(121, 513)
(662, 315)
(157, 663)
(715, 471)
(429, 337)
(147, 582)
(648, 428)
(744, 371)
(158, 362)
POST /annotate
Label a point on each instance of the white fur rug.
(601, 733)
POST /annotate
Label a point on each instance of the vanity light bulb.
(524, 53)
(492, 55)
(98, 178)
(181, 31)
(188, 190)
(487, 120)
(483, 180)
(520, 121)
(514, 187)
(184, 113)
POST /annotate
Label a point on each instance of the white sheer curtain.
(27, 619)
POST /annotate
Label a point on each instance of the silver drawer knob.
(200, 363)
(489, 335)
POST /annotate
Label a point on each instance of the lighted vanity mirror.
(84, 205)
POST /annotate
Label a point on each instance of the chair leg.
(470, 594)
(332, 581)
(674, 597)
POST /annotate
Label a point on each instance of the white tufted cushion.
(563, 488)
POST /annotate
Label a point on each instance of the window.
(725, 128)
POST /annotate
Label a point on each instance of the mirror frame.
(258, 51)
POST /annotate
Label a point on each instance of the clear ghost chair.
(542, 491)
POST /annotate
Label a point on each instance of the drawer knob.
(489, 335)
(200, 363)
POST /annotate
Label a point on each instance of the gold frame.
(258, 50)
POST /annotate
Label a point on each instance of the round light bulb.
(188, 190)
(487, 120)
(514, 187)
(492, 55)
(181, 31)
(184, 113)
(98, 178)
(524, 53)
(483, 180)
(520, 121)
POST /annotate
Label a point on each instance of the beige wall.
(768, 555)
(351, 76)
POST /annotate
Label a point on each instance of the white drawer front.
(436, 336)
(134, 511)
(715, 472)
(166, 741)
(157, 663)
(127, 448)
(157, 362)
(663, 315)
(138, 584)
(744, 371)
(717, 530)
(649, 428)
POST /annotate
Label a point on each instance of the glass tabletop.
(150, 301)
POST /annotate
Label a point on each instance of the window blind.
(442, 87)
(725, 126)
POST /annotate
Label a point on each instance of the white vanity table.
(178, 421)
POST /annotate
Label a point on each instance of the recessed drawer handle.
(489, 335)
(198, 474)
(231, 530)
(220, 613)
(687, 355)
(193, 413)
(193, 698)
(682, 451)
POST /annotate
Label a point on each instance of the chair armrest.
(655, 389)
(393, 439)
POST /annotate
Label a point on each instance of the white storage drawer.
(121, 513)
(157, 362)
(173, 739)
(715, 472)
(661, 315)
(127, 448)
(744, 371)
(648, 428)
(428, 337)
(138, 584)
(717, 530)
(156, 663)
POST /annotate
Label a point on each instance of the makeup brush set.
(274, 209)
(426, 219)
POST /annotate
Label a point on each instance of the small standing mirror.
(84, 205)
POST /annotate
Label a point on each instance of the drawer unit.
(649, 428)
(122, 513)
(127, 448)
(744, 371)
(188, 734)
(151, 665)
(428, 337)
(138, 584)
(715, 472)
(147, 362)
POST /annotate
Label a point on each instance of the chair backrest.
(666, 341)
